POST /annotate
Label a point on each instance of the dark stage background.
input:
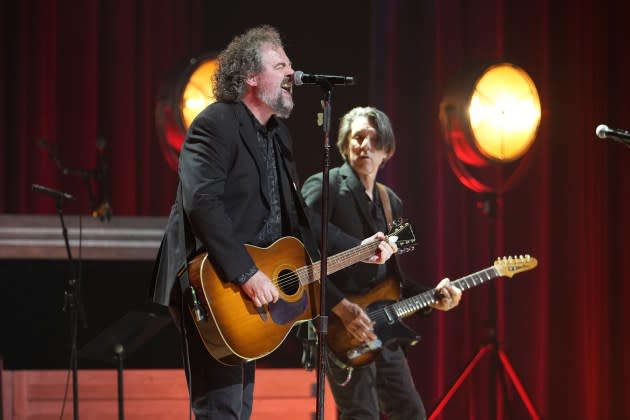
(75, 71)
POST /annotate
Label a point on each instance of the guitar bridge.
(368, 347)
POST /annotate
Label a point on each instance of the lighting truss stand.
(501, 367)
(500, 361)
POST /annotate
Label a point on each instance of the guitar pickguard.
(388, 327)
(284, 312)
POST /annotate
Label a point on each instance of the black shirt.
(271, 229)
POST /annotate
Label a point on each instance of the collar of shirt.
(267, 131)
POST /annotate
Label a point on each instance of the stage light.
(184, 95)
(489, 118)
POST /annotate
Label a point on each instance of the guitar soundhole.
(288, 282)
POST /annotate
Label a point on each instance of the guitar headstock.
(508, 266)
(406, 238)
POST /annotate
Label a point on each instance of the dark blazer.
(224, 196)
(348, 209)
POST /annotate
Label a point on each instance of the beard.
(280, 105)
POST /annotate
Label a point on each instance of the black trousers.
(218, 391)
(382, 386)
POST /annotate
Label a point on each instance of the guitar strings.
(290, 278)
(412, 304)
(424, 299)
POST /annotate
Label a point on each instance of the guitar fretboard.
(415, 303)
(311, 273)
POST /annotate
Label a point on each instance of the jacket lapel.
(358, 192)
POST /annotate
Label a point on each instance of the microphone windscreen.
(601, 130)
(297, 77)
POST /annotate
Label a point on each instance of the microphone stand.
(72, 294)
(72, 303)
(323, 317)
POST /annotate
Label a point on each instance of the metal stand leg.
(119, 350)
(503, 361)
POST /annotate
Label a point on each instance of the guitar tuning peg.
(406, 249)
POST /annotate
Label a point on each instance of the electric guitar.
(233, 330)
(384, 308)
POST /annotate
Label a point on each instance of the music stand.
(123, 338)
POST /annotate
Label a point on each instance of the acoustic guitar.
(233, 330)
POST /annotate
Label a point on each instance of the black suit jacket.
(223, 199)
(348, 209)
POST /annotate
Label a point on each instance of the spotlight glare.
(490, 118)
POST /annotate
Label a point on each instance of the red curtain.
(75, 72)
(562, 324)
(87, 71)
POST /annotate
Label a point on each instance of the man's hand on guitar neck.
(356, 321)
(260, 289)
(385, 249)
(451, 296)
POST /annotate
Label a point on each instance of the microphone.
(603, 131)
(301, 78)
(53, 193)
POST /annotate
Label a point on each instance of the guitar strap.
(387, 207)
(185, 240)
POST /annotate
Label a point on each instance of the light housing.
(490, 117)
(181, 98)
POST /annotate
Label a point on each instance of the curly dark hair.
(385, 139)
(240, 59)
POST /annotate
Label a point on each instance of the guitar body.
(388, 328)
(233, 330)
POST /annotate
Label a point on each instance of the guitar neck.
(311, 273)
(411, 305)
